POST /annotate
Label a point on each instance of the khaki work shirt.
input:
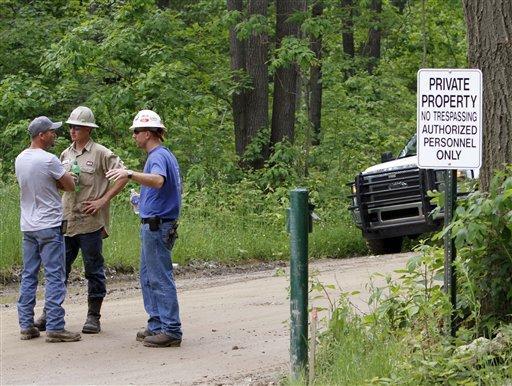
(94, 161)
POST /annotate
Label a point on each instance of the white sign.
(449, 133)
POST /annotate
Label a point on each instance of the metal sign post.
(298, 225)
(450, 275)
(449, 137)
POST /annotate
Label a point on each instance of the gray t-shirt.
(37, 172)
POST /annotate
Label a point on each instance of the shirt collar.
(155, 148)
(87, 146)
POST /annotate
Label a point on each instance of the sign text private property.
(449, 130)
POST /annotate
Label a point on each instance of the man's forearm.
(115, 189)
(152, 180)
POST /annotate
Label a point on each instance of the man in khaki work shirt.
(87, 209)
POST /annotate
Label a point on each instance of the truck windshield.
(409, 149)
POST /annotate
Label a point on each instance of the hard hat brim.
(79, 123)
(152, 128)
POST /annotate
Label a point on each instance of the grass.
(353, 354)
(207, 234)
(10, 235)
(373, 349)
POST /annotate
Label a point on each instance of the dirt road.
(235, 331)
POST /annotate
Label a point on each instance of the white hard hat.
(82, 116)
(147, 119)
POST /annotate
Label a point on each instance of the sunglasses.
(137, 131)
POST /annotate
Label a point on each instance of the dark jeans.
(91, 245)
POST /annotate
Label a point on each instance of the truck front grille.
(390, 188)
(394, 195)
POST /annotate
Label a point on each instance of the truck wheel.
(383, 246)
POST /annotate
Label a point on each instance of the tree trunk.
(374, 35)
(315, 81)
(237, 56)
(285, 79)
(162, 4)
(400, 4)
(489, 25)
(256, 100)
(347, 21)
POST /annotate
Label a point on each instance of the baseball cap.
(42, 124)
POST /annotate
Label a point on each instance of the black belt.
(155, 220)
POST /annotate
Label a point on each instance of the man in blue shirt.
(159, 209)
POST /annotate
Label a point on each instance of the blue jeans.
(91, 245)
(157, 281)
(45, 246)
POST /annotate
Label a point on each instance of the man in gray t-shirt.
(41, 206)
(39, 175)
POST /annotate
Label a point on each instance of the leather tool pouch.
(154, 224)
(63, 227)
(170, 238)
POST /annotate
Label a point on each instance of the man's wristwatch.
(129, 174)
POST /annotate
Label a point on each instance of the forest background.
(174, 57)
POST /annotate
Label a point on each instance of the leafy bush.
(410, 312)
(483, 238)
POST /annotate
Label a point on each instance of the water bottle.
(75, 169)
(134, 200)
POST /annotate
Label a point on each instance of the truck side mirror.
(386, 157)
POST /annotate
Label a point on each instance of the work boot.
(92, 324)
(40, 322)
(62, 336)
(143, 334)
(29, 333)
(161, 340)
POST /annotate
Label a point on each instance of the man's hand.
(117, 174)
(75, 178)
(66, 182)
(92, 207)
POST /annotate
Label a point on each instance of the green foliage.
(411, 310)
(401, 340)
(415, 300)
(256, 24)
(280, 169)
(10, 240)
(445, 34)
(123, 56)
(352, 353)
(293, 51)
(482, 232)
(119, 57)
(226, 223)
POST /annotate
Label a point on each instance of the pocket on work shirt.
(87, 175)
(67, 164)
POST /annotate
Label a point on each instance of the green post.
(299, 226)
(450, 283)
